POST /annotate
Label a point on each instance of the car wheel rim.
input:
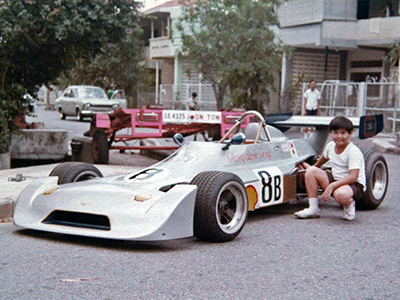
(231, 207)
(379, 180)
(86, 175)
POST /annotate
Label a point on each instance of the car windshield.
(92, 93)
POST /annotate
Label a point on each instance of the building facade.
(332, 40)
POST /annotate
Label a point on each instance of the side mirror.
(178, 139)
(237, 139)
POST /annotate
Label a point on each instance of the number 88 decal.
(271, 186)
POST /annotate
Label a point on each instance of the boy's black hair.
(194, 94)
(312, 81)
(341, 123)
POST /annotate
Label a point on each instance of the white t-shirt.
(312, 99)
(190, 102)
(350, 159)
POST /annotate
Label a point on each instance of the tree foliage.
(39, 39)
(116, 66)
(234, 45)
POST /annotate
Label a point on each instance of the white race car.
(204, 189)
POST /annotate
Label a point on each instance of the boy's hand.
(302, 166)
(326, 195)
(300, 177)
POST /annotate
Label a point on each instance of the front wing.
(168, 217)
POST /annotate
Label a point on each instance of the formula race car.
(203, 189)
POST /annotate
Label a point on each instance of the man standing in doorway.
(311, 102)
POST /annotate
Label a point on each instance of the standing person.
(311, 102)
(347, 181)
(311, 99)
(191, 103)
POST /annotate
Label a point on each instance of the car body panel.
(165, 216)
(157, 203)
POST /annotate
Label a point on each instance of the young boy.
(346, 183)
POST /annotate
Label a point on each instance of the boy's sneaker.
(307, 213)
(349, 212)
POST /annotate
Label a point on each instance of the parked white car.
(84, 101)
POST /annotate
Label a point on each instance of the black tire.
(377, 179)
(62, 114)
(75, 171)
(79, 115)
(216, 217)
(100, 147)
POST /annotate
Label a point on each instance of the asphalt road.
(275, 257)
(52, 120)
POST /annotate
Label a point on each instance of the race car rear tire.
(221, 206)
(377, 179)
(75, 171)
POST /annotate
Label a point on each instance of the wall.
(300, 12)
(39, 144)
(340, 9)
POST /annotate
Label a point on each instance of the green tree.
(234, 45)
(116, 66)
(39, 39)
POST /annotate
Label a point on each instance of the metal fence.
(358, 99)
(383, 98)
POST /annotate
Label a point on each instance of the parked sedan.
(84, 101)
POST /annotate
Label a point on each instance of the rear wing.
(368, 126)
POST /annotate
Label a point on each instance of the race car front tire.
(377, 179)
(221, 206)
(75, 171)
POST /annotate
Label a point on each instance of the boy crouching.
(346, 183)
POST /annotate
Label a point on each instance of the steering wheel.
(236, 127)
